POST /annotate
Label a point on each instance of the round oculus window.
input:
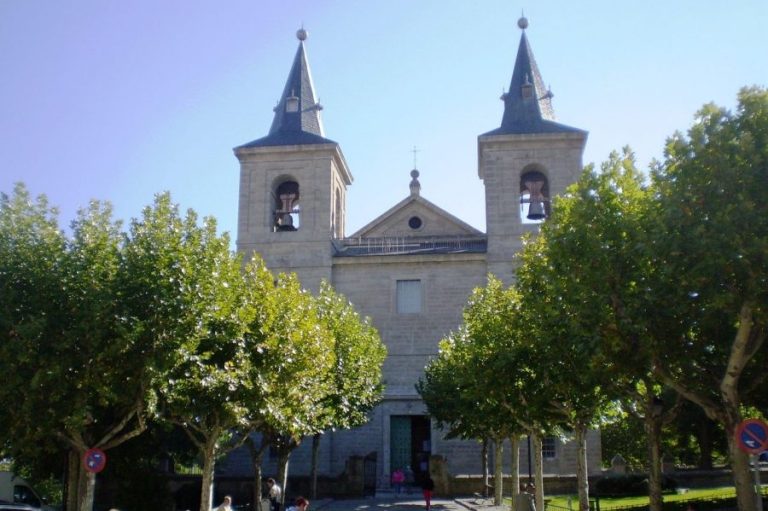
(415, 222)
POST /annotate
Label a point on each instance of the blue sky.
(117, 101)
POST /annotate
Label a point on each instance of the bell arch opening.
(535, 204)
(287, 208)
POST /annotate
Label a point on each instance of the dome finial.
(301, 34)
(415, 186)
(523, 21)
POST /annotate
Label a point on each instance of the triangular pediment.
(415, 216)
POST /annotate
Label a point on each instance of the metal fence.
(352, 247)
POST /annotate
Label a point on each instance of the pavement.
(406, 502)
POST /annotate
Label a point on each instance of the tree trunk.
(514, 465)
(282, 473)
(258, 475)
(486, 475)
(257, 456)
(727, 410)
(582, 477)
(653, 422)
(86, 504)
(209, 461)
(498, 475)
(744, 346)
(538, 469)
(73, 479)
(746, 498)
(82, 482)
(313, 472)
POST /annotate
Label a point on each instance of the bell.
(535, 199)
(536, 210)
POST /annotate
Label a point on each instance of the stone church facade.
(412, 268)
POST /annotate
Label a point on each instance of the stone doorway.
(410, 446)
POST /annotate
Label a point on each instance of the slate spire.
(528, 103)
(297, 114)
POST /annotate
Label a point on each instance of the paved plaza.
(411, 502)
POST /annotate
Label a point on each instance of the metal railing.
(397, 245)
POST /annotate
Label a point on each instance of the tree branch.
(711, 409)
(77, 443)
(108, 441)
(740, 353)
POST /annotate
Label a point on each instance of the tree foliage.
(633, 284)
(186, 289)
(355, 376)
(571, 275)
(104, 331)
(62, 331)
(711, 235)
(455, 386)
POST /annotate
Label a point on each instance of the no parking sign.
(94, 460)
(752, 436)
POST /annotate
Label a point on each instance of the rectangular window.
(548, 444)
(408, 296)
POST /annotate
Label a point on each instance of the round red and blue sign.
(752, 436)
(94, 460)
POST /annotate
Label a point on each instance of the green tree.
(574, 276)
(499, 346)
(355, 376)
(290, 356)
(62, 332)
(463, 387)
(455, 401)
(450, 400)
(691, 439)
(711, 241)
(186, 288)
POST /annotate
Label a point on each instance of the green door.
(399, 441)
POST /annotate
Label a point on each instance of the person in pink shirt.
(398, 477)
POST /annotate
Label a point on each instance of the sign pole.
(754, 458)
(752, 438)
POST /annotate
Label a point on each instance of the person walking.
(301, 504)
(274, 493)
(410, 478)
(226, 504)
(427, 487)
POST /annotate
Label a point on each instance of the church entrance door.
(410, 446)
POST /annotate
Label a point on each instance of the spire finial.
(301, 34)
(415, 151)
(523, 21)
(415, 186)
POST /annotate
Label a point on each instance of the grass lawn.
(558, 502)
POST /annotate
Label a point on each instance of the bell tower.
(525, 162)
(293, 185)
